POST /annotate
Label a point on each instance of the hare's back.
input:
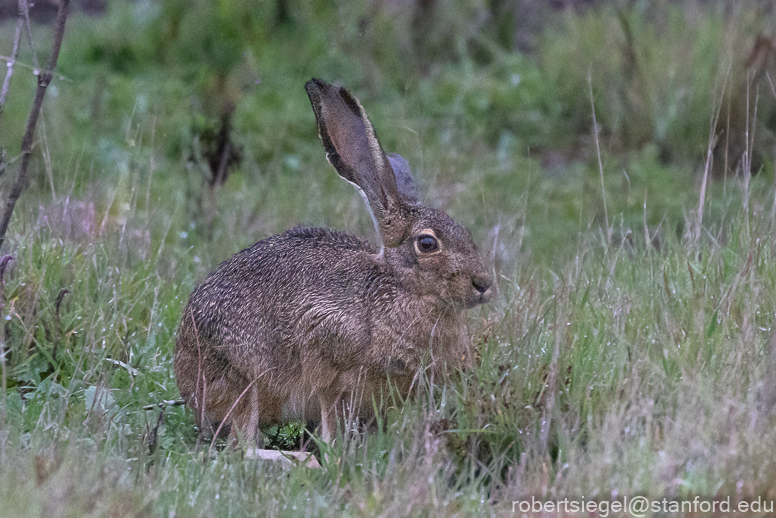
(255, 300)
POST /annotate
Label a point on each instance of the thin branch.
(165, 403)
(24, 12)
(14, 54)
(43, 81)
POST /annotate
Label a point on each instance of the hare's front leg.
(330, 403)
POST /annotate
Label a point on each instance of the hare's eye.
(427, 244)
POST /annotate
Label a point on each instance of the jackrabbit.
(312, 322)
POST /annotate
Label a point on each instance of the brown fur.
(309, 322)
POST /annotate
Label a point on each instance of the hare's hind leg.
(345, 408)
(256, 408)
(245, 421)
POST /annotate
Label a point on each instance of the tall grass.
(625, 370)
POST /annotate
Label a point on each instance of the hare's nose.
(483, 285)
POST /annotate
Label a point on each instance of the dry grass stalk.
(14, 54)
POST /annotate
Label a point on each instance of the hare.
(314, 322)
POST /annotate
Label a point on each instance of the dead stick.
(43, 81)
(165, 403)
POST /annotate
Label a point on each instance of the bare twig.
(153, 436)
(14, 54)
(165, 403)
(43, 81)
(24, 13)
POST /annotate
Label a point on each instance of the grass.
(601, 371)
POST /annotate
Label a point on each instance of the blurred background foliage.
(489, 100)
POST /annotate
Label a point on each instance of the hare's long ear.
(353, 149)
(405, 182)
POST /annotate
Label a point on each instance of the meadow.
(629, 349)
